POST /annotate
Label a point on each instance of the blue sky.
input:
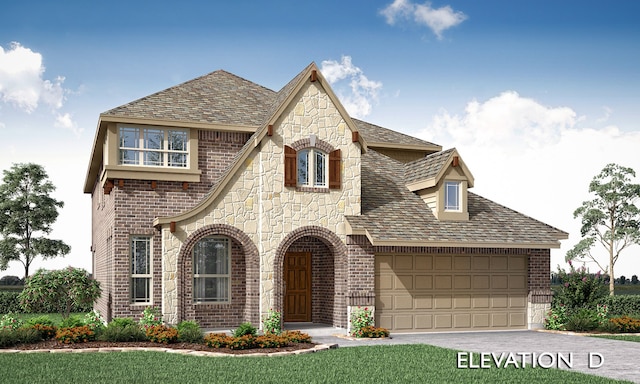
(537, 96)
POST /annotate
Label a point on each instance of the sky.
(536, 96)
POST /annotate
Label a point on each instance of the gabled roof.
(427, 171)
(380, 137)
(216, 98)
(392, 214)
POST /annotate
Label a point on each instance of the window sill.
(313, 189)
(132, 172)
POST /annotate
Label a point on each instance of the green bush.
(360, 318)
(582, 320)
(623, 305)
(11, 337)
(245, 329)
(272, 322)
(9, 321)
(72, 321)
(150, 316)
(41, 320)
(9, 302)
(122, 329)
(189, 332)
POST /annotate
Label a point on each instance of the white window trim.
(141, 150)
(311, 168)
(202, 275)
(458, 187)
(148, 276)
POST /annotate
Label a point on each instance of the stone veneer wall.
(130, 210)
(256, 202)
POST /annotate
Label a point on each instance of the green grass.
(635, 338)
(377, 364)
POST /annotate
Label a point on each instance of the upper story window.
(155, 147)
(312, 168)
(452, 198)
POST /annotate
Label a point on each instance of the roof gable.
(428, 171)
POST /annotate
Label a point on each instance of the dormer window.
(452, 196)
(153, 147)
(312, 168)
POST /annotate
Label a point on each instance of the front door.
(297, 287)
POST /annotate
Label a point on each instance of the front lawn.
(635, 338)
(377, 364)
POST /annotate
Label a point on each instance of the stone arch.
(242, 245)
(306, 143)
(339, 252)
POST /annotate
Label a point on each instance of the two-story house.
(218, 199)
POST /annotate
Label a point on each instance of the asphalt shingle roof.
(218, 98)
(390, 212)
(426, 167)
(377, 134)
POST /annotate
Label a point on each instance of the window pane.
(320, 169)
(129, 137)
(211, 289)
(452, 193)
(140, 256)
(211, 257)
(153, 138)
(177, 140)
(140, 290)
(153, 158)
(177, 159)
(128, 156)
(303, 167)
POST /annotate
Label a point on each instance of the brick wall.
(130, 209)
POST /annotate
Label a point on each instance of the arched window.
(312, 168)
(212, 270)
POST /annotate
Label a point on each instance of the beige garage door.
(450, 292)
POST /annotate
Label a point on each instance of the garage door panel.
(450, 292)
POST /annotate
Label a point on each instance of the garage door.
(418, 292)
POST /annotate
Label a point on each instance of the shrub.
(94, 321)
(270, 340)
(217, 340)
(579, 288)
(189, 332)
(242, 342)
(72, 321)
(623, 305)
(371, 331)
(161, 334)
(626, 324)
(296, 336)
(122, 329)
(272, 322)
(9, 302)
(46, 332)
(360, 318)
(609, 327)
(582, 320)
(62, 290)
(9, 321)
(556, 318)
(71, 335)
(150, 316)
(40, 320)
(245, 329)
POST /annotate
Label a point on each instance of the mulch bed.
(52, 344)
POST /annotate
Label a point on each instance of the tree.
(610, 219)
(27, 210)
(634, 279)
(61, 290)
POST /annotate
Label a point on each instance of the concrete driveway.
(620, 359)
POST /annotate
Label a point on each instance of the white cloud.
(65, 121)
(361, 92)
(437, 19)
(536, 159)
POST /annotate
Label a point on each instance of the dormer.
(441, 180)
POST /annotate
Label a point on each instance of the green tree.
(27, 212)
(610, 219)
(61, 290)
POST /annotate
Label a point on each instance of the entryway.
(297, 288)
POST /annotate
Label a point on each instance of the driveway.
(621, 359)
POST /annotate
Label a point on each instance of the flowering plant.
(150, 317)
(556, 318)
(94, 320)
(360, 318)
(271, 324)
(579, 288)
(8, 321)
